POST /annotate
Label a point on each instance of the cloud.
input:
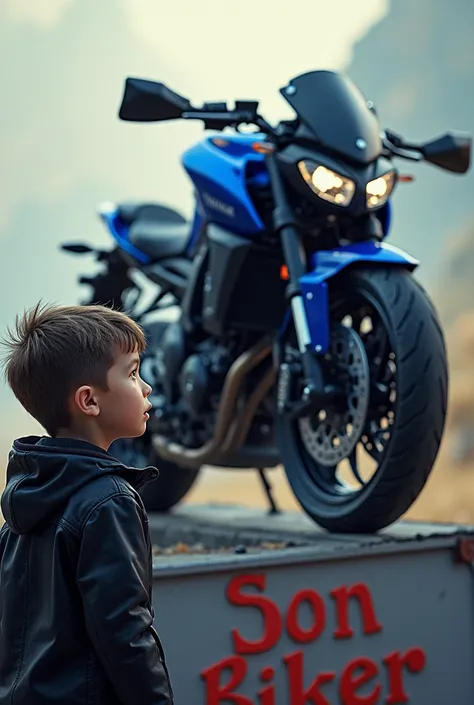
(252, 48)
(208, 54)
(41, 13)
(402, 99)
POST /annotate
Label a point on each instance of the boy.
(75, 553)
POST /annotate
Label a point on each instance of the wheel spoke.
(378, 345)
(372, 449)
(355, 467)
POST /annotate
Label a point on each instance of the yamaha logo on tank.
(218, 205)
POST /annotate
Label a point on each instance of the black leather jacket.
(75, 581)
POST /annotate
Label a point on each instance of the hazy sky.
(62, 66)
(208, 50)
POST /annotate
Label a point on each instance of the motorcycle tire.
(419, 411)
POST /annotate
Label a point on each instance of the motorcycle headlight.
(378, 190)
(327, 184)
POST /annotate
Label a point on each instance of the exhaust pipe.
(195, 457)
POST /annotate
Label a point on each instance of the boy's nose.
(146, 390)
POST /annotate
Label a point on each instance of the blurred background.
(63, 151)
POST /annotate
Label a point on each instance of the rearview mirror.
(148, 101)
(450, 151)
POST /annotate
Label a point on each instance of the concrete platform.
(261, 609)
(213, 537)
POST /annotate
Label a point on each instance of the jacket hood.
(44, 473)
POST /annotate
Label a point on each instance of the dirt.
(201, 549)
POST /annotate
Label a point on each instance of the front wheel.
(357, 466)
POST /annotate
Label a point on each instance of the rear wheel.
(358, 466)
(173, 482)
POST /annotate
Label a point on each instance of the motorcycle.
(302, 337)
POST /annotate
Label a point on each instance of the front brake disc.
(332, 434)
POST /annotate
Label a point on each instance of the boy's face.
(123, 408)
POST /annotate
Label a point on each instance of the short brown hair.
(52, 350)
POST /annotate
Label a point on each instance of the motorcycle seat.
(156, 230)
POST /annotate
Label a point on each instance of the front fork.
(314, 388)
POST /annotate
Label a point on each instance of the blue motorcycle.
(302, 337)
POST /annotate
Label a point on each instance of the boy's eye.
(134, 373)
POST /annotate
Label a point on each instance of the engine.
(195, 383)
(187, 386)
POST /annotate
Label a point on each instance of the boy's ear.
(86, 401)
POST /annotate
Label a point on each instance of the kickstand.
(268, 491)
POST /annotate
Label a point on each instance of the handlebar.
(396, 146)
(216, 116)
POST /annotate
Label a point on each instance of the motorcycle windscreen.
(336, 112)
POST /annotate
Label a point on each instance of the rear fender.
(325, 265)
(108, 212)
